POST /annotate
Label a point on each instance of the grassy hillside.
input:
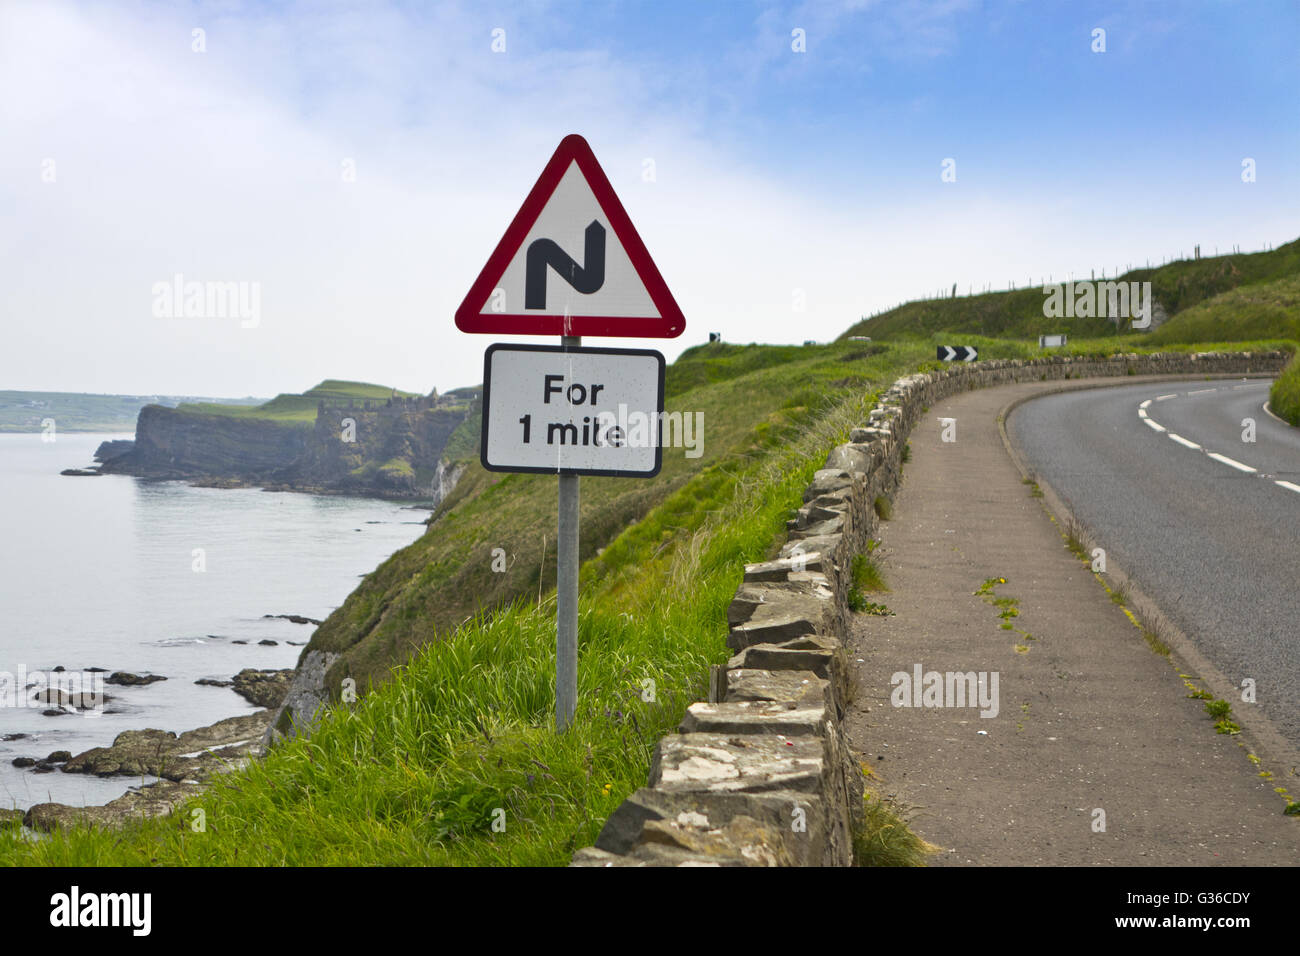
(1178, 286)
(290, 407)
(1284, 396)
(743, 392)
(1265, 310)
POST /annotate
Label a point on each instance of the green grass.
(1269, 310)
(414, 772)
(884, 839)
(1284, 396)
(1220, 712)
(290, 407)
(1263, 305)
(867, 575)
(749, 404)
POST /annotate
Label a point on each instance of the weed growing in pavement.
(1221, 711)
(866, 573)
(883, 838)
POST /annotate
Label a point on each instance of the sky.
(353, 165)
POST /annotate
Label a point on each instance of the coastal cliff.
(337, 438)
(394, 449)
(176, 443)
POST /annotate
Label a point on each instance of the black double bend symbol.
(586, 278)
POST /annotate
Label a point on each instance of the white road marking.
(1253, 385)
(1273, 415)
(1230, 463)
(1223, 459)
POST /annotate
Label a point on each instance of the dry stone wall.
(761, 774)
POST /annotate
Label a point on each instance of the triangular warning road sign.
(571, 263)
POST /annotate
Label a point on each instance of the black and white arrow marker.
(957, 353)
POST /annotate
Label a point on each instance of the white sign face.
(585, 411)
(571, 249)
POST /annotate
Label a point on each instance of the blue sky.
(776, 172)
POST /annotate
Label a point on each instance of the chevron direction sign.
(957, 353)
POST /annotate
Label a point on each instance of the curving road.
(1204, 522)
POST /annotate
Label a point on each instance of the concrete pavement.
(1096, 755)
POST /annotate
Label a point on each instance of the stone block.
(797, 687)
(698, 821)
(782, 568)
(744, 763)
(757, 717)
(773, 613)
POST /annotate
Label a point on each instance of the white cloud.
(226, 166)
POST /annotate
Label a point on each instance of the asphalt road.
(1199, 518)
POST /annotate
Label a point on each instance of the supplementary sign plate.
(581, 411)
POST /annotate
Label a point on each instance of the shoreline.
(182, 763)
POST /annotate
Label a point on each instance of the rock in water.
(293, 618)
(134, 752)
(263, 688)
(112, 449)
(131, 680)
(53, 696)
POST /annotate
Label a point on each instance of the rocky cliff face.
(170, 443)
(387, 448)
(393, 449)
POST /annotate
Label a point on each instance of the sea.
(157, 577)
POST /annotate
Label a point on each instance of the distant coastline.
(85, 412)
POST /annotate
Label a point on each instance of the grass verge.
(1284, 396)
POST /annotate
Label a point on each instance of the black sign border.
(573, 350)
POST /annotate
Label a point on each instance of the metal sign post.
(536, 419)
(566, 594)
(571, 411)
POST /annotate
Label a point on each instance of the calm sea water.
(99, 572)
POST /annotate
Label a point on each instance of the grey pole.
(566, 595)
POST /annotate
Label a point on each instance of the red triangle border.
(470, 317)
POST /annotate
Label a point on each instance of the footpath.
(1096, 755)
